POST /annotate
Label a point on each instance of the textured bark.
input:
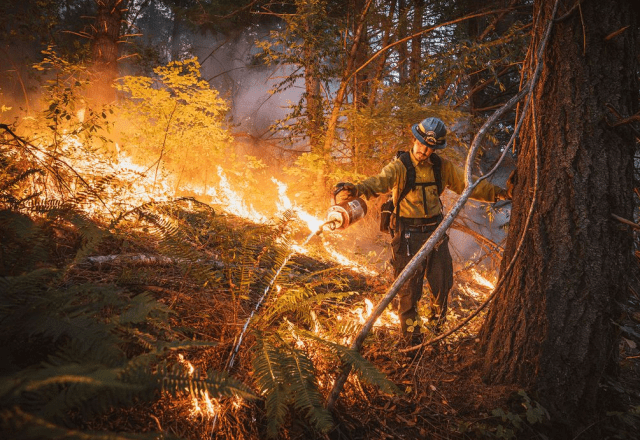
(416, 45)
(105, 47)
(550, 328)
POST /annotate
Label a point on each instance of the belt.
(420, 224)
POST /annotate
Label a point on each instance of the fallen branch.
(144, 260)
(417, 259)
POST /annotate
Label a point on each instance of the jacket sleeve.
(453, 178)
(381, 183)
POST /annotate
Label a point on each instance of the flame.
(233, 202)
(206, 406)
(339, 258)
(478, 278)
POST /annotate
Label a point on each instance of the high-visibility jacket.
(394, 175)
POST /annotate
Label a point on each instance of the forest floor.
(443, 393)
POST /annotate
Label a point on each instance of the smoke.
(228, 63)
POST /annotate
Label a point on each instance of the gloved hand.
(344, 192)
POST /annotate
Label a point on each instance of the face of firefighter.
(421, 151)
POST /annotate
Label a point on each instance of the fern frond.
(366, 369)
(178, 379)
(304, 390)
(285, 375)
(299, 299)
(271, 381)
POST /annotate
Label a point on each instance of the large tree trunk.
(551, 326)
(105, 48)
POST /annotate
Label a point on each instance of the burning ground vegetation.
(131, 313)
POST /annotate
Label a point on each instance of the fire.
(478, 278)
(203, 405)
(234, 202)
(339, 258)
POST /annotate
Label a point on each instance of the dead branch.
(143, 260)
(623, 121)
(625, 221)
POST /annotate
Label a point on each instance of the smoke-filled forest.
(178, 260)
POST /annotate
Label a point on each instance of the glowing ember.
(339, 258)
(211, 406)
(478, 278)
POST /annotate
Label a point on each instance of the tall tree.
(104, 47)
(552, 326)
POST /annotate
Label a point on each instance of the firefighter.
(417, 216)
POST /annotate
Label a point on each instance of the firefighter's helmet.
(431, 132)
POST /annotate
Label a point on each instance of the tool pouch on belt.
(386, 212)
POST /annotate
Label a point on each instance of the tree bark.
(315, 115)
(105, 48)
(551, 326)
(415, 65)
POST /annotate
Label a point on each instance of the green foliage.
(624, 424)
(285, 375)
(174, 120)
(510, 425)
(69, 111)
(367, 371)
(71, 347)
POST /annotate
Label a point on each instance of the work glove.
(344, 192)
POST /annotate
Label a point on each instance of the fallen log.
(144, 260)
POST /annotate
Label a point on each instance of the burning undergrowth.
(134, 311)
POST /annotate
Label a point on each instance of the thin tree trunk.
(551, 328)
(376, 80)
(340, 94)
(403, 51)
(416, 45)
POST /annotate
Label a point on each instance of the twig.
(625, 221)
(26, 145)
(164, 143)
(569, 12)
(623, 121)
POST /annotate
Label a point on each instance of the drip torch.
(344, 214)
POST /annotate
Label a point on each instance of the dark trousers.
(438, 268)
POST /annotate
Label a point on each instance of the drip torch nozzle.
(331, 224)
(342, 215)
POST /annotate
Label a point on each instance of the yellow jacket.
(393, 177)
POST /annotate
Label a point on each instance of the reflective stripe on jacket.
(394, 175)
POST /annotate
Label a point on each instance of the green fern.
(300, 300)
(286, 376)
(176, 379)
(367, 371)
(271, 379)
